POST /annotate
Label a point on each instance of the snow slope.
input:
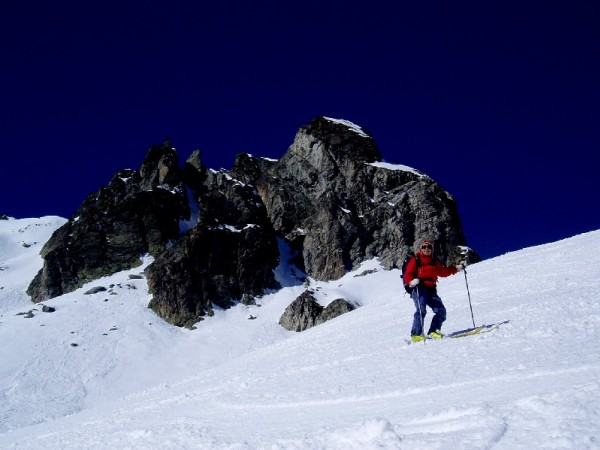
(104, 372)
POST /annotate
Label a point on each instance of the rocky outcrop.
(230, 254)
(209, 234)
(305, 312)
(335, 309)
(338, 204)
(213, 234)
(138, 212)
(301, 314)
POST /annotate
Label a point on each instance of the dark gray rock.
(248, 300)
(301, 314)
(194, 171)
(138, 212)
(335, 309)
(211, 266)
(305, 312)
(95, 290)
(337, 205)
(213, 234)
(229, 255)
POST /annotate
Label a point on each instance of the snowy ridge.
(389, 166)
(351, 125)
(133, 381)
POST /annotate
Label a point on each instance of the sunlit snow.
(351, 125)
(388, 166)
(103, 371)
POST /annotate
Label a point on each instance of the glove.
(414, 282)
(461, 267)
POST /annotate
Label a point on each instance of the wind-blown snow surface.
(104, 372)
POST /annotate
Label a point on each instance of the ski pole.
(469, 294)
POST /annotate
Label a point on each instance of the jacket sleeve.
(411, 270)
(445, 271)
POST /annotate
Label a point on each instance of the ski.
(463, 333)
(473, 331)
(477, 330)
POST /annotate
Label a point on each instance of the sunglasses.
(427, 247)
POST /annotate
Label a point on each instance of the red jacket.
(427, 270)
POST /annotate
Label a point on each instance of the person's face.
(427, 249)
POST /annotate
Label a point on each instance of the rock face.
(337, 204)
(231, 253)
(138, 212)
(213, 235)
(305, 312)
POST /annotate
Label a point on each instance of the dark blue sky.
(498, 103)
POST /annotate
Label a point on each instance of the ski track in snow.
(132, 381)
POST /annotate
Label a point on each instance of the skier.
(421, 274)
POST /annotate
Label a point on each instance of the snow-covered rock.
(214, 234)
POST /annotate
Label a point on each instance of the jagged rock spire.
(329, 197)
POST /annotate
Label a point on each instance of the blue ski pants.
(423, 297)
